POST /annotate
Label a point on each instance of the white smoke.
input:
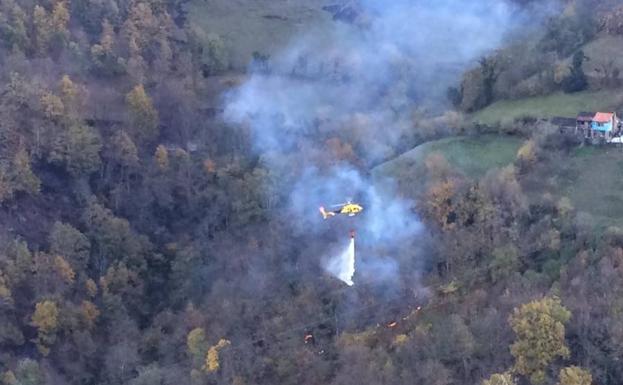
(360, 83)
(365, 78)
(343, 266)
(387, 229)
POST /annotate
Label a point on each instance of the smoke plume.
(359, 82)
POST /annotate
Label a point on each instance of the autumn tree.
(573, 375)
(45, 319)
(147, 30)
(143, 115)
(52, 106)
(500, 379)
(141, 26)
(209, 166)
(212, 363)
(197, 345)
(440, 205)
(89, 313)
(91, 287)
(64, 270)
(526, 155)
(55, 276)
(161, 157)
(540, 329)
(72, 97)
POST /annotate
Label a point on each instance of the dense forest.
(160, 184)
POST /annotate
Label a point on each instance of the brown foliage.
(162, 157)
(91, 287)
(52, 105)
(212, 363)
(64, 269)
(209, 166)
(45, 319)
(540, 330)
(439, 203)
(89, 313)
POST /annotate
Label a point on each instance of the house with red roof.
(598, 126)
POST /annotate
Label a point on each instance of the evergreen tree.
(576, 81)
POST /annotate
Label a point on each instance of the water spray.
(343, 265)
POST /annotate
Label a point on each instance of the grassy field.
(591, 177)
(558, 104)
(473, 156)
(265, 26)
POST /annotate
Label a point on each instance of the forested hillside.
(162, 164)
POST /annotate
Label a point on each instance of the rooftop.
(603, 117)
(585, 115)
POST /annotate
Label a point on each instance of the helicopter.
(349, 208)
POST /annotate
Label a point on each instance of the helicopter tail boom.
(326, 214)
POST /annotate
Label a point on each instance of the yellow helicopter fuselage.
(351, 209)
